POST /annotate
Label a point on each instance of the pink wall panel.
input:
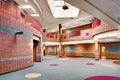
(102, 28)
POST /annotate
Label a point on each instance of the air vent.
(118, 18)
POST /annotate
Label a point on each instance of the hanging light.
(65, 7)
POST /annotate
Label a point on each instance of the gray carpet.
(69, 69)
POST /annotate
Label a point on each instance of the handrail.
(12, 11)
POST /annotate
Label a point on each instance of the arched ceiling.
(47, 19)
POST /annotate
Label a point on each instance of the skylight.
(61, 9)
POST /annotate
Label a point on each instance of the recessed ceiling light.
(35, 15)
(26, 6)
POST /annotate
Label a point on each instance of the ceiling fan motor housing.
(65, 7)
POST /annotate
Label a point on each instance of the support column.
(44, 46)
(60, 53)
(97, 54)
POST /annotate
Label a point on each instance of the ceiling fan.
(63, 8)
(63, 5)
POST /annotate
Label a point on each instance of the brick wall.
(16, 51)
(11, 23)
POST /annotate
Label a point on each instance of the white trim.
(68, 43)
(78, 42)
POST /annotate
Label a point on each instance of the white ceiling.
(47, 20)
(106, 10)
(109, 7)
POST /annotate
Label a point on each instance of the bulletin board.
(53, 49)
(71, 49)
(114, 48)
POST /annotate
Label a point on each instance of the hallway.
(67, 69)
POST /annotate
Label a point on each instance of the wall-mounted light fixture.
(19, 33)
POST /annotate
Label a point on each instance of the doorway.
(103, 51)
(35, 44)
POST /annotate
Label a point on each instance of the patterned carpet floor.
(67, 69)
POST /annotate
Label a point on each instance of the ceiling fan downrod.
(65, 7)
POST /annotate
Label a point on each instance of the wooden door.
(103, 51)
(35, 43)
